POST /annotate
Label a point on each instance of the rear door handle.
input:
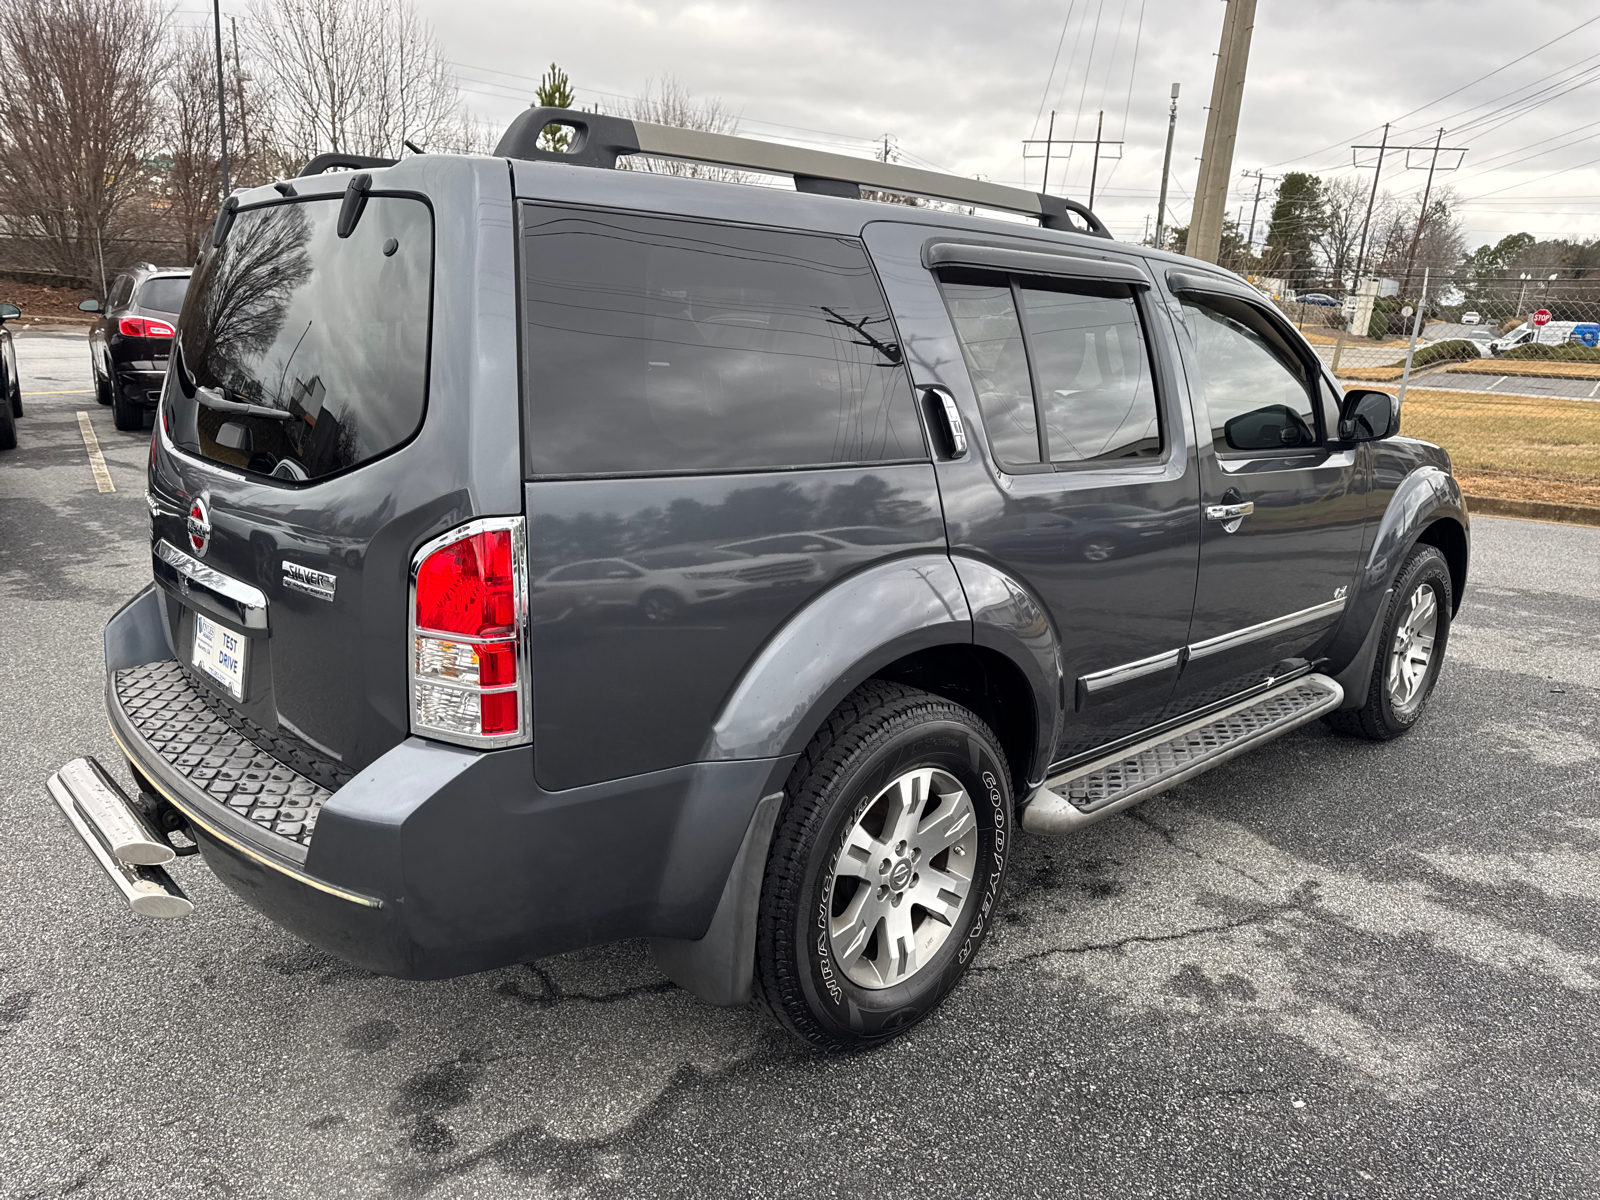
(944, 404)
(1229, 512)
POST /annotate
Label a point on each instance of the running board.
(1092, 792)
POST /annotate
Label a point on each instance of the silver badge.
(313, 583)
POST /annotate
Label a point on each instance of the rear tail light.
(469, 666)
(143, 327)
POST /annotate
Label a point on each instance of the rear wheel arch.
(990, 686)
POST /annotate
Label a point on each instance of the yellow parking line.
(73, 392)
(97, 461)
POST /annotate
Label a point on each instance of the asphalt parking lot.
(1330, 968)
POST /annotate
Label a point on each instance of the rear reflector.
(143, 327)
(469, 675)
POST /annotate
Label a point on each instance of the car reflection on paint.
(661, 584)
(1093, 533)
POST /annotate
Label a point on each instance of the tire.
(1407, 665)
(102, 385)
(845, 881)
(660, 607)
(8, 428)
(127, 415)
(14, 380)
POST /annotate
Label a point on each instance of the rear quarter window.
(164, 293)
(658, 345)
(300, 353)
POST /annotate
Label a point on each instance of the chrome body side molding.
(1254, 633)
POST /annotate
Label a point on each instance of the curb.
(1533, 510)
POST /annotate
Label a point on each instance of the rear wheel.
(13, 380)
(1416, 626)
(8, 428)
(661, 607)
(885, 868)
(102, 385)
(127, 415)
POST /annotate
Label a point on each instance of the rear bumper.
(437, 860)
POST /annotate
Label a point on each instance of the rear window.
(301, 353)
(164, 293)
(657, 345)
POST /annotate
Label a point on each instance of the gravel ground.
(1329, 968)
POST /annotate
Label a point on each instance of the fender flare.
(1425, 496)
(832, 646)
(824, 652)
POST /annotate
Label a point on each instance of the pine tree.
(555, 91)
(1298, 220)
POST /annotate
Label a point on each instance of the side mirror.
(89, 305)
(9, 312)
(1369, 416)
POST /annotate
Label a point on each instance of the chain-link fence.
(1504, 369)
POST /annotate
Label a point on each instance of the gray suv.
(545, 554)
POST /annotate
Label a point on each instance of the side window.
(657, 345)
(1067, 384)
(1255, 385)
(991, 339)
(1096, 389)
(121, 290)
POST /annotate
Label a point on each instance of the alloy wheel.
(902, 878)
(1412, 651)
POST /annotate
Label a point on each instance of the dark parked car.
(967, 525)
(132, 337)
(10, 379)
(1321, 299)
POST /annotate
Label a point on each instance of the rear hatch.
(299, 378)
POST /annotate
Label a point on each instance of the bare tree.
(80, 81)
(670, 103)
(194, 180)
(1344, 204)
(362, 76)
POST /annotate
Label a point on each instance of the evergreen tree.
(1298, 220)
(555, 91)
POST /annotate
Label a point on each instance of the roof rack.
(599, 140)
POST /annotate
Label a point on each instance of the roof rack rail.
(347, 162)
(599, 140)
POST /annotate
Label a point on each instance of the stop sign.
(1542, 317)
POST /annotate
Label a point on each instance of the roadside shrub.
(1378, 327)
(1455, 350)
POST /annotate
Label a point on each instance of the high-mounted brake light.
(143, 327)
(469, 670)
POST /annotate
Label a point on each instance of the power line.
(1044, 96)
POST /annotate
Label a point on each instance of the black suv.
(10, 380)
(547, 554)
(131, 338)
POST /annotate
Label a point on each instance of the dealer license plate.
(220, 654)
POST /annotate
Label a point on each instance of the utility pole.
(238, 83)
(1422, 215)
(222, 104)
(1255, 207)
(1361, 254)
(1222, 127)
(1166, 168)
(1049, 140)
(1094, 171)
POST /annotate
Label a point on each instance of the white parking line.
(1593, 390)
(97, 461)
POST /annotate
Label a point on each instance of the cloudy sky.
(960, 85)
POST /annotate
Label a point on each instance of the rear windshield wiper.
(212, 399)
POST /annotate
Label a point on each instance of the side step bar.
(120, 837)
(1087, 794)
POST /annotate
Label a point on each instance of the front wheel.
(885, 868)
(1416, 626)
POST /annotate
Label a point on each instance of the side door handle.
(1230, 512)
(942, 405)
